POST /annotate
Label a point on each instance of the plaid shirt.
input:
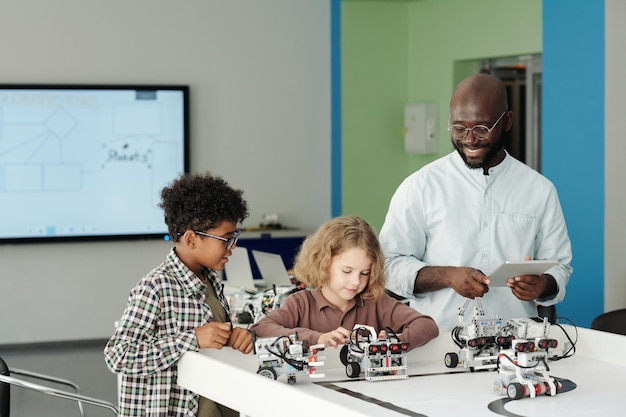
(156, 329)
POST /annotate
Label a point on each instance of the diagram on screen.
(80, 154)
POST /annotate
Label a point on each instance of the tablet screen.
(510, 269)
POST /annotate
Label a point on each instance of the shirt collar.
(322, 302)
(506, 162)
(478, 172)
(191, 283)
(210, 276)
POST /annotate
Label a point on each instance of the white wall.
(259, 74)
(615, 149)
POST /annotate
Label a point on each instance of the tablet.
(510, 269)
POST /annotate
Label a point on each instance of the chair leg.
(5, 391)
(58, 393)
(60, 381)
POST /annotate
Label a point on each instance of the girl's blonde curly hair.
(332, 239)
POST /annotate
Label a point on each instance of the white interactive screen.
(88, 162)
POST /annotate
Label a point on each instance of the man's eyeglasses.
(230, 242)
(480, 132)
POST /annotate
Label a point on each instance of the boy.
(180, 305)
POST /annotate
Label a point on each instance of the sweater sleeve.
(409, 325)
(289, 319)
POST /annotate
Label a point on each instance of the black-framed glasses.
(480, 132)
(230, 242)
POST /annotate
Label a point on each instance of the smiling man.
(464, 214)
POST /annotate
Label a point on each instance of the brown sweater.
(309, 314)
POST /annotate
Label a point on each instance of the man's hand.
(468, 282)
(529, 287)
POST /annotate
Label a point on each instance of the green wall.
(395, 52)
(375, 66)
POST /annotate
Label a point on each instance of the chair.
(6, 380)
(547, 311)
(398, 297)
(611, 321)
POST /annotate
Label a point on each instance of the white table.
(597, 368)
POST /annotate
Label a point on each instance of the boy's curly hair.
(332, 239)
(200, 202)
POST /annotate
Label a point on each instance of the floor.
(81, 362)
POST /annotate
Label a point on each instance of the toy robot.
(519, 350)
(523, 367)
(380, 359)
(262, 304)
(480, 340)
(288, 355)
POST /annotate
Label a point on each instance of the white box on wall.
(420, 128)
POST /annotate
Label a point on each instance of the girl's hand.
(339, 336)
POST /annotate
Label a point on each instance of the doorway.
(522, 78)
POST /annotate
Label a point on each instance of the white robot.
(263, 303)
(288, 355)
(523, 367)
(380, 359)
(518, 349)
(479, 341)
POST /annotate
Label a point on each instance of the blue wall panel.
(573, 141)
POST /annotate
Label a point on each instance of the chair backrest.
(5, 391)
(547, 311)
(611, 321)
(8, 380)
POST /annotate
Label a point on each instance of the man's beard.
(492, 153)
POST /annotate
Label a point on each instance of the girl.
(343, 264)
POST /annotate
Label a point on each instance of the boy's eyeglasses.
(230, 242)
(480, 132)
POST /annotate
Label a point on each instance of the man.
(461, 216)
